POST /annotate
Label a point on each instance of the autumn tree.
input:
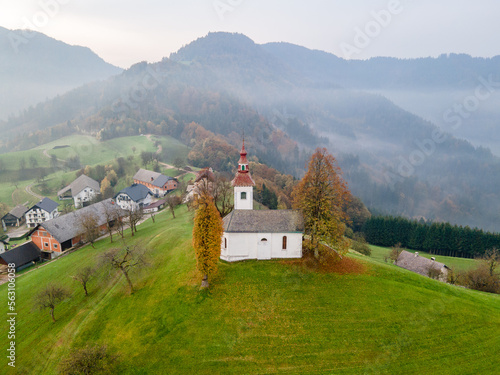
(492, 259)
(83, 276)
(321, 196)
(113, 215)
(125, 260)
(223, 195)
(50, 297)
(89, 225)
(207, 234)
(172, 202)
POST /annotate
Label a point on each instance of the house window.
(46, 244)
(284, 243)
(55, 246)
(244, 195)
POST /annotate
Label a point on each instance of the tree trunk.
(204, 282)
(85, 289)
(128, 281)
(52, 314)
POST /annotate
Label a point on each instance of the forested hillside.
(223, 85)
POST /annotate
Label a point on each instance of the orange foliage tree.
(321, 195)
(207, 235)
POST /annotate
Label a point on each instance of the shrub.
(88, 360)
(481, 279)
(359, 244)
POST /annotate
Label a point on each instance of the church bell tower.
(243, 183)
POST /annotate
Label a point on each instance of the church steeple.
(243, 183)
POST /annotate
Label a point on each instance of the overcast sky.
(124, 32)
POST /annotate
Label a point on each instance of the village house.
(4, 246)
(423, 266)
(205, 179)
(82, 191)
(58, 235)
(134, 197)
(258, 234)
(159, 184)
(22, 256)
(44, 210)
(15, 217)
(155, 206)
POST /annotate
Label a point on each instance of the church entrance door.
(264, 248)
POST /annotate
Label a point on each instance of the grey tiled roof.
(18, 211)
(66, 227)
(79, 184)
(264, 221)
(46, 204)
(417, 263)
(21, 254)
(153, 178)
(136, 192)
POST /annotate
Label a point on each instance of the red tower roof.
(243, 177)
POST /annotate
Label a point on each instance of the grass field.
(460, 264)
(91, 152)
(267, 317)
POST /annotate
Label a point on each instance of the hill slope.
(34, 67)
(259, 317)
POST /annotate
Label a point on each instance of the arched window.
(263, 240)
(225, 243)
(244, 195)
(284, 243)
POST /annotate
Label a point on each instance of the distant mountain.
(395, 161)
(34, 67)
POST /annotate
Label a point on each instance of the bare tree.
(89, 224)
(223, 194)
(113, 217)
(492, 259)
(49, 297)
(172, 202)
(133, 217)
(125, 260)
(83, 276)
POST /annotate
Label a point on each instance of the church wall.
(241, 246)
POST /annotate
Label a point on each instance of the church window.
(242, 167)
(284, 243)
(263, 240)
(244, 195)
(225, 243)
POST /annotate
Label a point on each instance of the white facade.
(126, 203)
(261, 246)
(243, 197)
(36, 216)
(86, 195)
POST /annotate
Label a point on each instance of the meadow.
(90, 152)
(258, 317)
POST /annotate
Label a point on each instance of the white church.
(258, 234)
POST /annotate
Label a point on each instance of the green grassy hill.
(267, 317)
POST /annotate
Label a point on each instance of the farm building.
(155, 206)
(204, 180)
(258, 234)
(44, 210)
(58, 235)
(15, 217)
(22, 256)
(82, 191)
(423, 266)
(158, 183)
